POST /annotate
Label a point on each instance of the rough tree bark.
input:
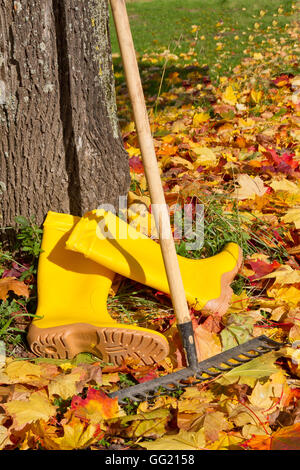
(60, 146)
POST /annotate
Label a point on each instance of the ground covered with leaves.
(232, 144)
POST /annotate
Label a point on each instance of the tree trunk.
(60, 145)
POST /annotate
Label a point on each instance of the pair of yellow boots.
(76, 268)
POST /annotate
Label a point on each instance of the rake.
(196, 372)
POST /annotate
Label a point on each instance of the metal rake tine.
(171, 382)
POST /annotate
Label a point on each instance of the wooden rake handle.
(149, 161)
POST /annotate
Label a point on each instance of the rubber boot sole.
(111, 344)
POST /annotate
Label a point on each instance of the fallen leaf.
(37, 407)
(255, 429)
(238, 330)
(174, 161)
(248, 373)
(4, 437)
(64, 386)
(285, 185)
(229, 96)
(163, 401)
(77, 435)
(199, 118)
(25, 372)
(287, 438)
(227, 441)
(108, 379)
(12, 284)
(96, 407)
(264, 395)
(205, 156)
(136, 165)
(150, 424)
(289, 295)
(292, 216)
(238, 303)
(207, 343)
(214, 423)
(261, 268)
(285, 274)
(258, 442)
(249, 187)
(184, 440)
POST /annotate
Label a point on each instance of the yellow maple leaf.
(205, 156)
(265, 395)
(289, 295)
(37, 407)
(184, 440)
(64, 385)
(199, 118)
(253, 429)
(22, 371)
(159, 402)
(292, 216)
(227, 441)
(285, 274)
(285, 185)
(262, 395)
(229, 96)
(66, 366)
(77, 436)
(133, 151)
(168, 139)
(28, 373)
(150, 424)
(246, 122)
(239, 303)
(175, 161)
(108, 379)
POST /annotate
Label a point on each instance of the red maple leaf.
(261, 268)
(95, 401)
(282, 160)
(136, 165)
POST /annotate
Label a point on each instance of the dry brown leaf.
(214, 423)
(8, 284)
(207, 343)
(249, 187)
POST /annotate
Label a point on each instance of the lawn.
(216, 33)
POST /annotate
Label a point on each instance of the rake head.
(205, 370)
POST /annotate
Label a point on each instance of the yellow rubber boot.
(106, 239)
(72, 295)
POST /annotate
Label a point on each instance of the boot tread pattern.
(112, 344)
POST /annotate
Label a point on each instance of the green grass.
(230, 24)
(16, 312)
(135, 303)
(223, 224)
